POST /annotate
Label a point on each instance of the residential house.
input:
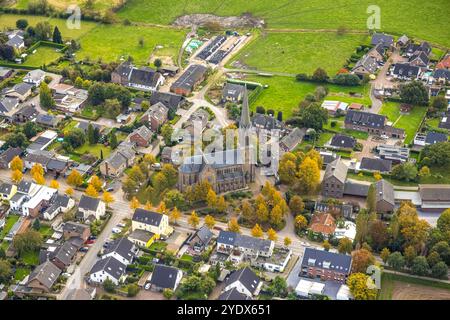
(142, 136)
(328, 157)
(84, 125)
(228, 241)
(187, 82)
(25, 114)
(166, 155)
(150, 221)
(334, 179)
(394, 153)
(429, 138)
(419, 59)
(20, 91)
(47, 120)
(155, 116)
(403, 41)
(142, 238)
(292, 140)
(356, 188)
(406, 71)
(8, 155)
(63, 256)
(120, 159)
(90, 208)
(434, 197)
(377, 52)
(196, 123)
(25, 191)
(39, 201)
(59, 204)
(172, 101)
(365, 66)
(340, 141)
(68, 98)
(385, 200)
(445, 122)
(200, 239)
(42, 141)
(143, 78)
(380, 38)
(108, 268)
(5, 73)
(443, 64)
(371, 123)
(16, 40)
(442, 76)
(8, 106)
(325, 265)
(43, 277)
(73, 230)
(37, 157)
(375, 165)
(267, 122)
(232, 92)
(122, 250)
(7, 191)
(165, 277)
(323, 224)
(233, 295)
(34, 77)
(245, 281)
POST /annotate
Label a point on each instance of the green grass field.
(300, 52)
(409, 122)
(112, 42)
(10, 221)
(43, 55)
(94, 149)
(99, 5)
(414, 19)
(285, 93)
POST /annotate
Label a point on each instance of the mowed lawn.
(9, 21)
(112, 42)
(397, 16)
(300, 52)
(409, 122)
(285, 93)
(100, 5)
(43, 55)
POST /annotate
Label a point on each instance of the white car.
(121, 225)
(116, 230)
(147, 286)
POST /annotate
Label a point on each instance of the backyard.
(43, 56)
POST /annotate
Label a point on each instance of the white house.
(153, 222)
(34, 77)
(108, 268)
(244, 281)
(60, 204)
(90, 207)
(33, 206)
(25, 190)
(122, 250)
(227, 241)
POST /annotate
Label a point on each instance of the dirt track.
(407, 291)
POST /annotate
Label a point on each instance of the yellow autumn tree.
(75, 179)
(16, 176)
(91, 191)
(162, 208)
(308, 175)
(37, 169)
(262, 213)
(175, 214)
(69, 191)
(377, 175)
(16, 164)
(221, 204)
(96, 182)
(148, 206)
(134, 203)
(233, 225)
(257, 232)
(272, 235)
(287, 241)
(107, 198)
(210, 221)
(211, 198)
(54, 184)
(38, 178)
(362, 287)
(194, 220)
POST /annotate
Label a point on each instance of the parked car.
(84, 249)
(116, 230)
(147, 286)
(121, 225)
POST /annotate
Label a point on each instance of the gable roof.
(435, 137)
(336, 169)
(323, 223)
(5, 188)
(123, 247)
(147, 217)
(385, 39)
(406, 70)
(442, 73)
(164, 276)
(144, 132)
(246, 277)
(266, 122)
(89, 203)
(64, 253)
(9, 154)
(204, 234)
(7, 104)
(375, 164)
(46, 274)
(384, 191)
(356, 188)
(435, 192)
(343, 141)
(420, 57)
(365, 119)
(367, 62)
(293, 138)
(327, 260)
(72, 226)
(144, 76)
(170, 100)
(190, 77)
(244, 241)
(232, 90)
(233, 294)
(111, 266)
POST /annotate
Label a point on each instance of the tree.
(96, 182)
(162, 208)
(433, 258)
(287, 171)
(36, 225)
(194, 220)
(30, 129)
(157, 63)
(361, 286)
(443, 222)
(168, 293)
(29, 241)
(345, 245)
(43, 30)
(16, 164)
(409, 254)
(257, 232)
(439, 103)
(384, 254)
(362, 259)
(319, 75)
(5, 271)
(414, 92)
(38, 178)
(113, 140)
(37, 169)
(75, 179)
(272, 234)
(166, 133)
(16, 139)
(276, 216)
(309, 175)
(134, 204)
(443, 249)
(74, 138)
(210, 221)
(45, 96)
(22, 24)
(437, 154)
(91, 192)
(221, 204)
(296, 205)
(278, 287)
(148, 206)
(57, 38)
(16, 176)
(109, 286)
(287, 241)
(396, 261)
(90, 134)
(54, 184)
(440, 270)
(378, 234)
(233, 225)
(326, 245)
(406, 171)
(69, 191)
(175, 215)
(424, 172)
(107, 198)
(211, 198)
(420, 266)
(300, 223)
(313, 116)
(132, 290)
(262, 213)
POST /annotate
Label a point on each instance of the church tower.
(246, 133)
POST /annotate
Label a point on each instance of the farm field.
(43, 55)
(300, 52)
(9, 21)
(112, 42)
(312, 14)
(285, 93)
(400, 287)
(100, 5)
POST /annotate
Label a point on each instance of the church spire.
(245, 122)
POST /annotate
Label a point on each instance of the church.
(225, 170)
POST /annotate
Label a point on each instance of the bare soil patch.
(408, 291)
(200, 19)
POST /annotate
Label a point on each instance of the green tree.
(406, 171)
(132, 290)
(420, 266)
(278, 287)
(345, 245)
(414, 92)
(396, 261)
(166, 133)
(45, 96)
(57, 38)
(90, 134)
(5, 271)
(319, 75)
(109, 286)
(22, 24)
(29, 241)
(313, 116)
(113, 140)
(440, 270)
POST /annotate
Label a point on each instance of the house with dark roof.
(267, 122)
(394, 153)
(340, 141)
(328, 157)
(403, 41)
(325, 265)
(244, 281)
(8, 155)
(20, 91)
(25, 114)
(200, 239)
(445, 122)
(334, 179)
(43, 277)
(47, 120)
(37, 157)
(377, 52)
(121, 249)
(90, 208)
(442, 75)
(233, 295)
(419, 59)
(142, 136)
(7, 191)
(7, 106)
(108, 268)
(434, 197)
(356, 188)
(155, 116)
(5, 73)
(63, 256)
(143, 78)
(380, 38)
(375, 164)
(76, 230)
(165, 277)
(232, 92)
(16, 40)
(228, 241)
(384, 195)
(371, 123)
(290, 141)
(406, 71)
(142, 238)
(58, 204)
(151, 221)
(170, 100)
(365, 66)
(187, 82)
(430, 138)
(119, 160)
